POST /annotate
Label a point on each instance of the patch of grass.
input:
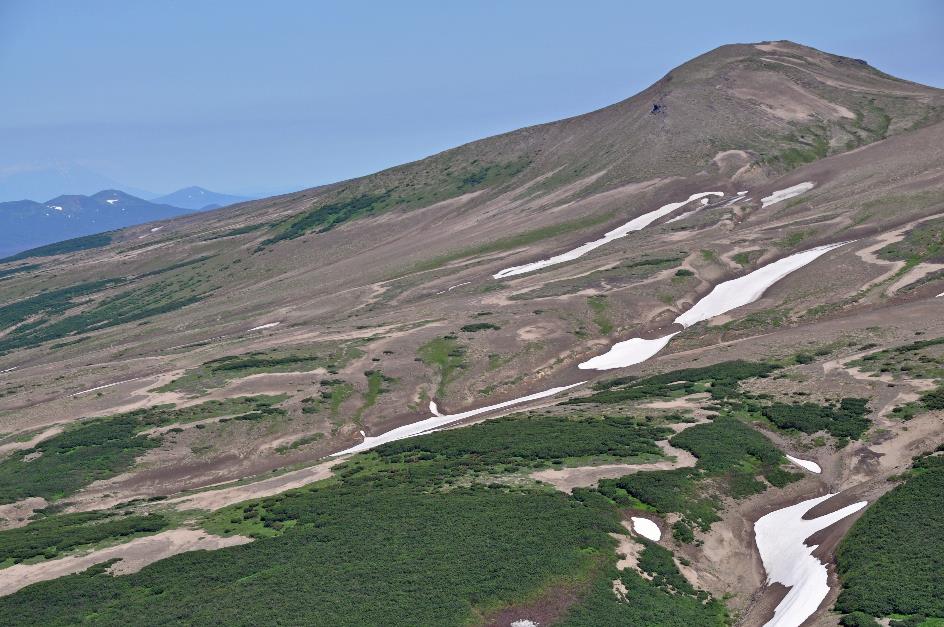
(18, 269)
(446, 355)
(101, 448)
(598, 306)
(216, 373)
(347, 207)
(922, 359)
(135, 304)
(794, 239)
(300, 442)
(924, 242)
(479, 326)
(747, 257)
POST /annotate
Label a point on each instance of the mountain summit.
(198, 198)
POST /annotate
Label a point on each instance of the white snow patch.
(524, 623)
(704, 201)
(434, 409)
(780, 538)
(156, 229)
(56, 207)
(107, 385)
(805, 463)
(635, 224)
(748, 288)
(264, 326)
(627, 353)
(744, 193)
(646, 528)
(111, 201)
(9, 369)
(784, 194)
(722, 299)
(431, 424)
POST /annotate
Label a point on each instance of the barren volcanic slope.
(703, 301)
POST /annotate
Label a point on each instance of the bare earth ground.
(133, 555)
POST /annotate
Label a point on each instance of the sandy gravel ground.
(134, 556)
(216, 499)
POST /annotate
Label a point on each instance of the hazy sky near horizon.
(251, 97)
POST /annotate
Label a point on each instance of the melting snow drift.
(722, 299)
(805, 463)
(780, 538)
(264, 326)
(748, 288)
(431, 424)
(635, 224)
(646, 528)
(784, 194)
(628, 353)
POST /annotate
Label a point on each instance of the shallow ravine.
(723, 298)
(635, 224)
(781, 541)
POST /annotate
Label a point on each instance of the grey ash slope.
(353, 305)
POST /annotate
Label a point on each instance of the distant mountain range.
(26, 224)
(198, 198)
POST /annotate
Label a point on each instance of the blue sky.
(252, 97)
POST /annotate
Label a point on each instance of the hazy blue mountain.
(50, 181)
(199, 198)
(26, 224)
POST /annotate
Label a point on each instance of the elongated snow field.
(635, 224)
(748, 288)
(722, 299)
(805, 463)
(789, 561)
(627, 353)
(785, 194)
(436, 422)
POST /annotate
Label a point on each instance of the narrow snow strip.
(111, 201)
(635, 224)
(748, 288)
(722, 299)
(434, 409)
(436, 422)
(107, 385)
(646, 528)
(9, 369)
(780, 538)
(805, 463)
(627, 353)
(264, 326)
(784, 194)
